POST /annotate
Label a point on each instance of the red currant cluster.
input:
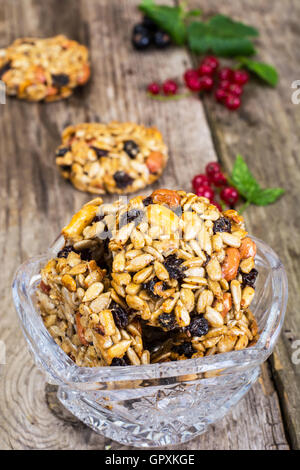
(229, 82)
(213, 176)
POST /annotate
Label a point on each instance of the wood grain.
(36, 202)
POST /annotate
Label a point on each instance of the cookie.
(44, 69)
(115, 158)
(163, 278)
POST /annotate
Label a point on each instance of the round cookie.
(115, 158)
(44, 69)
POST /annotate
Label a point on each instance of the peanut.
(231, 264)
(247, 248)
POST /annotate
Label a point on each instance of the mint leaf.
(170, 19)
(248, 187)
(264, 71)
(230, 28)
(267, 196)
(204, 37)
(190, 13)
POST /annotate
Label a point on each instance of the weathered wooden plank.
(36, 202)
(266, 131)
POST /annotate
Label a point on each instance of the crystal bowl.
(157, 404)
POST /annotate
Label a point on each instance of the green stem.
(244, 206)
(168, 98)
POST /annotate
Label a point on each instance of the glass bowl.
(157, 404)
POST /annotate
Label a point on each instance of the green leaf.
(248, 187)
(170, 19)
(264, 71)
(230, 28)
(190, 13)
(202, 37)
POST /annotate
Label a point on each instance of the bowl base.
(131, 433)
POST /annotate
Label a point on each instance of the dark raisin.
(222, 225)
(62, 151)
(60, 79)
(249, 279)
(99, 330)
(99, 152)
(117, 361)
(161, 39)
(198, 326)
(130, 216)
(185, 349)
(4, 68)
(98, 218)
(149, 286)
(131, 148)
(167, 321)
(120, 315)
(174, 268)
(65, 167)
(86, 255)
(65, 251)
(147, 201)
(122, 179)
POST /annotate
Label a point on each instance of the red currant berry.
(218, 179)
(170, 87)
(224, 84)
(205, 191)
(205, 69)
(220, 94)
(215, 203)
(212, 168)
(235, 89)
(190, 73)
(232, 102)
(194, 83)
(226, 74)
(153, 88)
(200, 180)
(212, 61)
(229, 195)
(206, 83)
(241, 77)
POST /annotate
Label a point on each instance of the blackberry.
(147, 201)
(249, 279)
(65, 251)
(161, 39)
(222, 225)
(141, 40)
(60, 79)
(99, 152)
(173, 266)
(185, 349)
(62, 151)
(198, 326)
(120, 315)
(130, 216)
(167, 321)
(131, 148)
(122, 179)
(149, 24)
(117, 361)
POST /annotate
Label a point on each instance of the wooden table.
(36, 202)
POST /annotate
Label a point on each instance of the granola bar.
(115, 158)
(162, 278)
(44, 69)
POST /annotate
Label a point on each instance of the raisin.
(222, 225)
(174, 268)
(98, 218)
(60, 79)
(4, 69)
(117, 361)
(99, 152)
(147, 201)
(65, 251)
(185, 349)
(120, 315)
(167, 321)
(62, 151)
(150, 285)
(131, 148)
(249, 279)
(122, 179)
(86, 255)
(130, 216)
(198, 326)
